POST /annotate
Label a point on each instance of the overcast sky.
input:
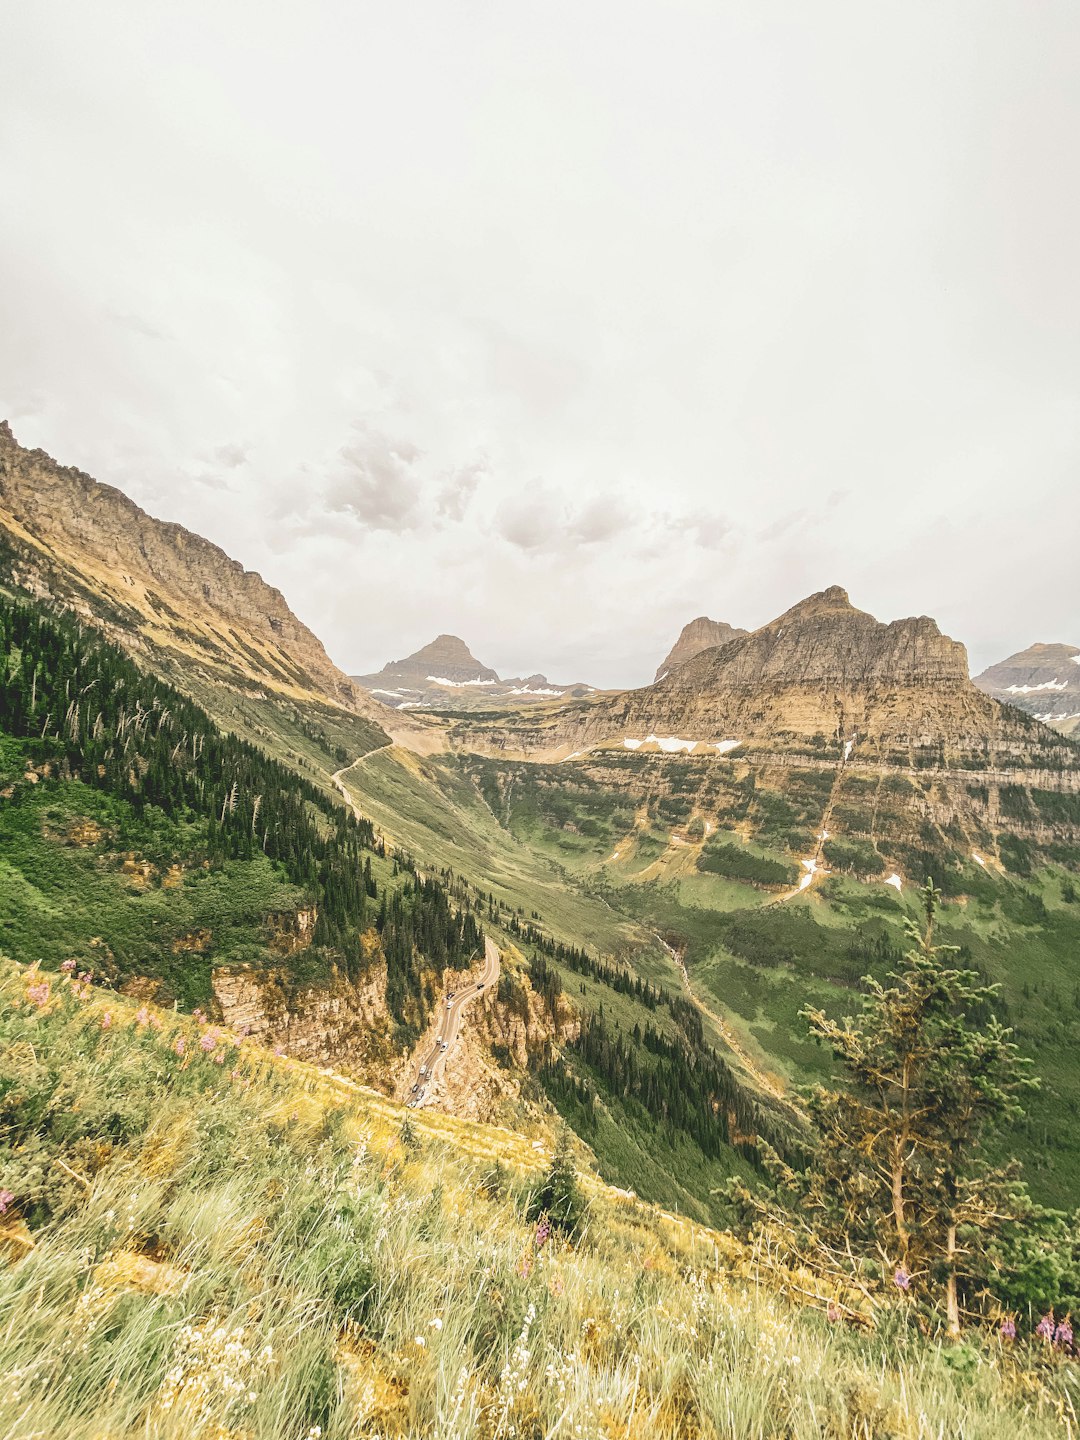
(557, 324)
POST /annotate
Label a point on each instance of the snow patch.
(978, 859)
(394, 694)
(1054, 684)
(661, 676)
(807, 879)
(615, 855)
(459, 684)
(723, 746)
(895, 882)
(671, 744)
(848, 744)
(520, 689)
(414, 705)
(633, 744)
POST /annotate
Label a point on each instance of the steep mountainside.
(700, 634)
(172, 598)
(821, 674)
(445, 675)
(1043, 680)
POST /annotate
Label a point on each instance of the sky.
(554, 325)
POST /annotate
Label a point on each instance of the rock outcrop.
(344, 1023)
(700, 634)
(1043, 680)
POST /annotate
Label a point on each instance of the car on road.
(443, 1044)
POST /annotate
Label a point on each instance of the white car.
(443, 1044)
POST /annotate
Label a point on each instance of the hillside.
(1043, 680)
(202, 1240)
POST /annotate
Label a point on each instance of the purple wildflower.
(1007, 1328)
(208, 1041)
(1063, 1335)
(543, 1230)
(142, 1016)
(199, 1015)
(38, 994)
(902, 1279)
(106, 1020)
(833, 1312)
(6, 1197)
(68, 966)
(179, 1045)
(1045, 1327)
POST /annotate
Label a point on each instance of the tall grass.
(244, 1249)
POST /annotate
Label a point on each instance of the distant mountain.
(171, 598)
(446, 675)
(821, 673)
(700, 634)
(1043, 680)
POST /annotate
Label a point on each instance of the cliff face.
(700, 634)
(345, 1024)
(1043, 680)
(155, 587)
(820, 674)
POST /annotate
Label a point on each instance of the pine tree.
(559, 1197)
(900, 1166)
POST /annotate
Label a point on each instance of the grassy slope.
(254, 1249)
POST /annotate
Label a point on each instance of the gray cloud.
(231, 456)
(456, 491)
(376, 482)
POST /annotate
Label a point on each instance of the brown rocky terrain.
(700, 634)
(156, 588)
(821, 675)
(1043, 680)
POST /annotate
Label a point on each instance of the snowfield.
(1054, 684)
(673, 744)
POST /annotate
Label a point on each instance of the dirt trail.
(763, 1078)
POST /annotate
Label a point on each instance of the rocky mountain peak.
(697, 635)
(446, 657)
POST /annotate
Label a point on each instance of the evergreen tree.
(559, 1197)
(901, 1165)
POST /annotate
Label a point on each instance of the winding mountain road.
(433, 1061)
